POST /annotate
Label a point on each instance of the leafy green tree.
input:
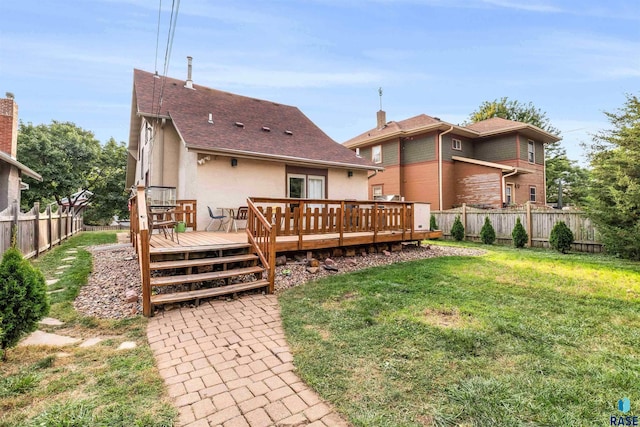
(457, 229)
(64, 154)
(615, 194)
(109, 196)
(433, 224)
(558, 165)
(23, 298)
(513, 110)
(561, 237)
(519, 235)
(487, 233)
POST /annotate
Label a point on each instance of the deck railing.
(301, 217)
(262, 236)
(139, 232)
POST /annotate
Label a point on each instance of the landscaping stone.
(131, 296)
(330, 267)
(386, 253)
(44, 338)
(51, 322)
(281, 260)
(127, 345)
(312, 270)
(313, 263)
(91, 342)
(329, 261)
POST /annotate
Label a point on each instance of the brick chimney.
(382, 119)
(9, 126)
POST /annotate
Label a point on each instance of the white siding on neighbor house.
(341, 186)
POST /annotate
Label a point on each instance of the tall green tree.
(512, 109)
(64, 154)
(615, 193)
(559, 166)
(109, 196)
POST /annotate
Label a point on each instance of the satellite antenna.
(380, 94)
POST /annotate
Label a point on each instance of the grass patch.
(514, 337)
(73, 386)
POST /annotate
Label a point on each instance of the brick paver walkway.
(226, 363)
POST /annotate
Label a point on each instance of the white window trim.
(509, 193)
(535, 193)
(373, 190)
(373, 149)
(456, 142)
(295, 175)
(533, 151)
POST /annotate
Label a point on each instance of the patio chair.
(241, 215)
(215, 217)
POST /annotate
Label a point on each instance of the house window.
(508, 194)
(300, 186)
(531, 152)
(456, 144)
(376, 191)
(532, 194)
(376, 154)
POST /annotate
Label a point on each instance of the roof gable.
(239, 124)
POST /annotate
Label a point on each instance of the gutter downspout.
(504, 185)
(440, 166)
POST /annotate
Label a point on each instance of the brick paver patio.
(226, 363)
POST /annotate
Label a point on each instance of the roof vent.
(288, 132)
(239, 124)
(266, 129)
(189, 83)
(437, 118)
(210, 118)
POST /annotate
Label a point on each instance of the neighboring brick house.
(11, 170)
(492, 163)
(219, 148)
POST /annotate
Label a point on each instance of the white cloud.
(530, 6)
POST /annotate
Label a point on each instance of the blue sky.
(73, 60)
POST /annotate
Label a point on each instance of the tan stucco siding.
(341, 186)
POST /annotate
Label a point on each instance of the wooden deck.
(283, 243)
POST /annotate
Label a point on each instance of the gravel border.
(116, 272)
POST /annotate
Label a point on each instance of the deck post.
(404, 223)
(272, 257)
(341, 223)
(301, 225)
(143, 245)
(375, 222)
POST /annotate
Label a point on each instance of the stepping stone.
(62, 267)
(91, 342)
(72, 251)
(57, 291)
(69, 258)
(52, 281)
(44, 338)
(63, 354)
(127, 345)
(58, 273)
(51, 321)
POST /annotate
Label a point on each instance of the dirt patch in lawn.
(447, 317)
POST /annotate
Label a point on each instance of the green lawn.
(514, 337)
(96, 386)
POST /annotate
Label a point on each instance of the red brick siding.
(477, 185)
(8, 126)
(390, 179)
(421, 183)
(521, 193)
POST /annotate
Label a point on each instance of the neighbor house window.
(531, 150)
(456, 144)
(532, 194)
(376, 190)
(508, 194)
(376, 154)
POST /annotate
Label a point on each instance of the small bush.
(561, 237)
(519, 235)
(487, 233)
(23, 298)
(457, 230)
(433, 224)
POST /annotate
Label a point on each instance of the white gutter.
(440, 166)
(504, 184)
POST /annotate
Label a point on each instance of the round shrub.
(487, 233)
(561, 237)
(519, 235)
(23, 298)
(433, 224)
(457, 230)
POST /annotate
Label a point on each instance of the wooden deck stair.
(224, 264)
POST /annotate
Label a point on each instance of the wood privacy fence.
(37, 231)
(537, 223)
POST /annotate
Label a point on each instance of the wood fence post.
(36, 228)
(529, 224)
(59, 224)
(464, 218)
(14, 222)
(49, 227)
